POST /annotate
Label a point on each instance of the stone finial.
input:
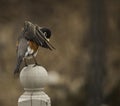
(33, 79)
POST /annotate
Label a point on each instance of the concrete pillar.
(33, 79)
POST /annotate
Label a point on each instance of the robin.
(29, 41)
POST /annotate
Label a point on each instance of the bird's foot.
(26, 65)
(36, 64)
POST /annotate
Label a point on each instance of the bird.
(31, 38)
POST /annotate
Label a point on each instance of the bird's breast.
(31, 49)
(33, 46)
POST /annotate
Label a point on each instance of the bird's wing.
(21, 50)
(33, 34)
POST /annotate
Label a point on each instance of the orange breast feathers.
(33, 46)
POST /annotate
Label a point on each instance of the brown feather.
(33, 46)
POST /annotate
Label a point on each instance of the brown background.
(69, 21)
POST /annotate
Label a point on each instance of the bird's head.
(47, 32)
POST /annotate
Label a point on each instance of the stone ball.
(33, 77)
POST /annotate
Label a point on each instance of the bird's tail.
(19, 61)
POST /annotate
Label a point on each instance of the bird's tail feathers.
(19, 61)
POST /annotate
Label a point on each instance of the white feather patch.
(29, 51)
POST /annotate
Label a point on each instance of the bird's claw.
(36, 64)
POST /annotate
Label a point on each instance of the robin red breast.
(29, 41)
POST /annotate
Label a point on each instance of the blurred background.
(71, 64)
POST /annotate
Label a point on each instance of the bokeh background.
(69, 21)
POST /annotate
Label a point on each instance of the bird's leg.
(35, 61)
(25, 62)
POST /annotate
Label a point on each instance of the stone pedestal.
(33, 79)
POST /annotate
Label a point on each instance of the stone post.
(33, 79)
